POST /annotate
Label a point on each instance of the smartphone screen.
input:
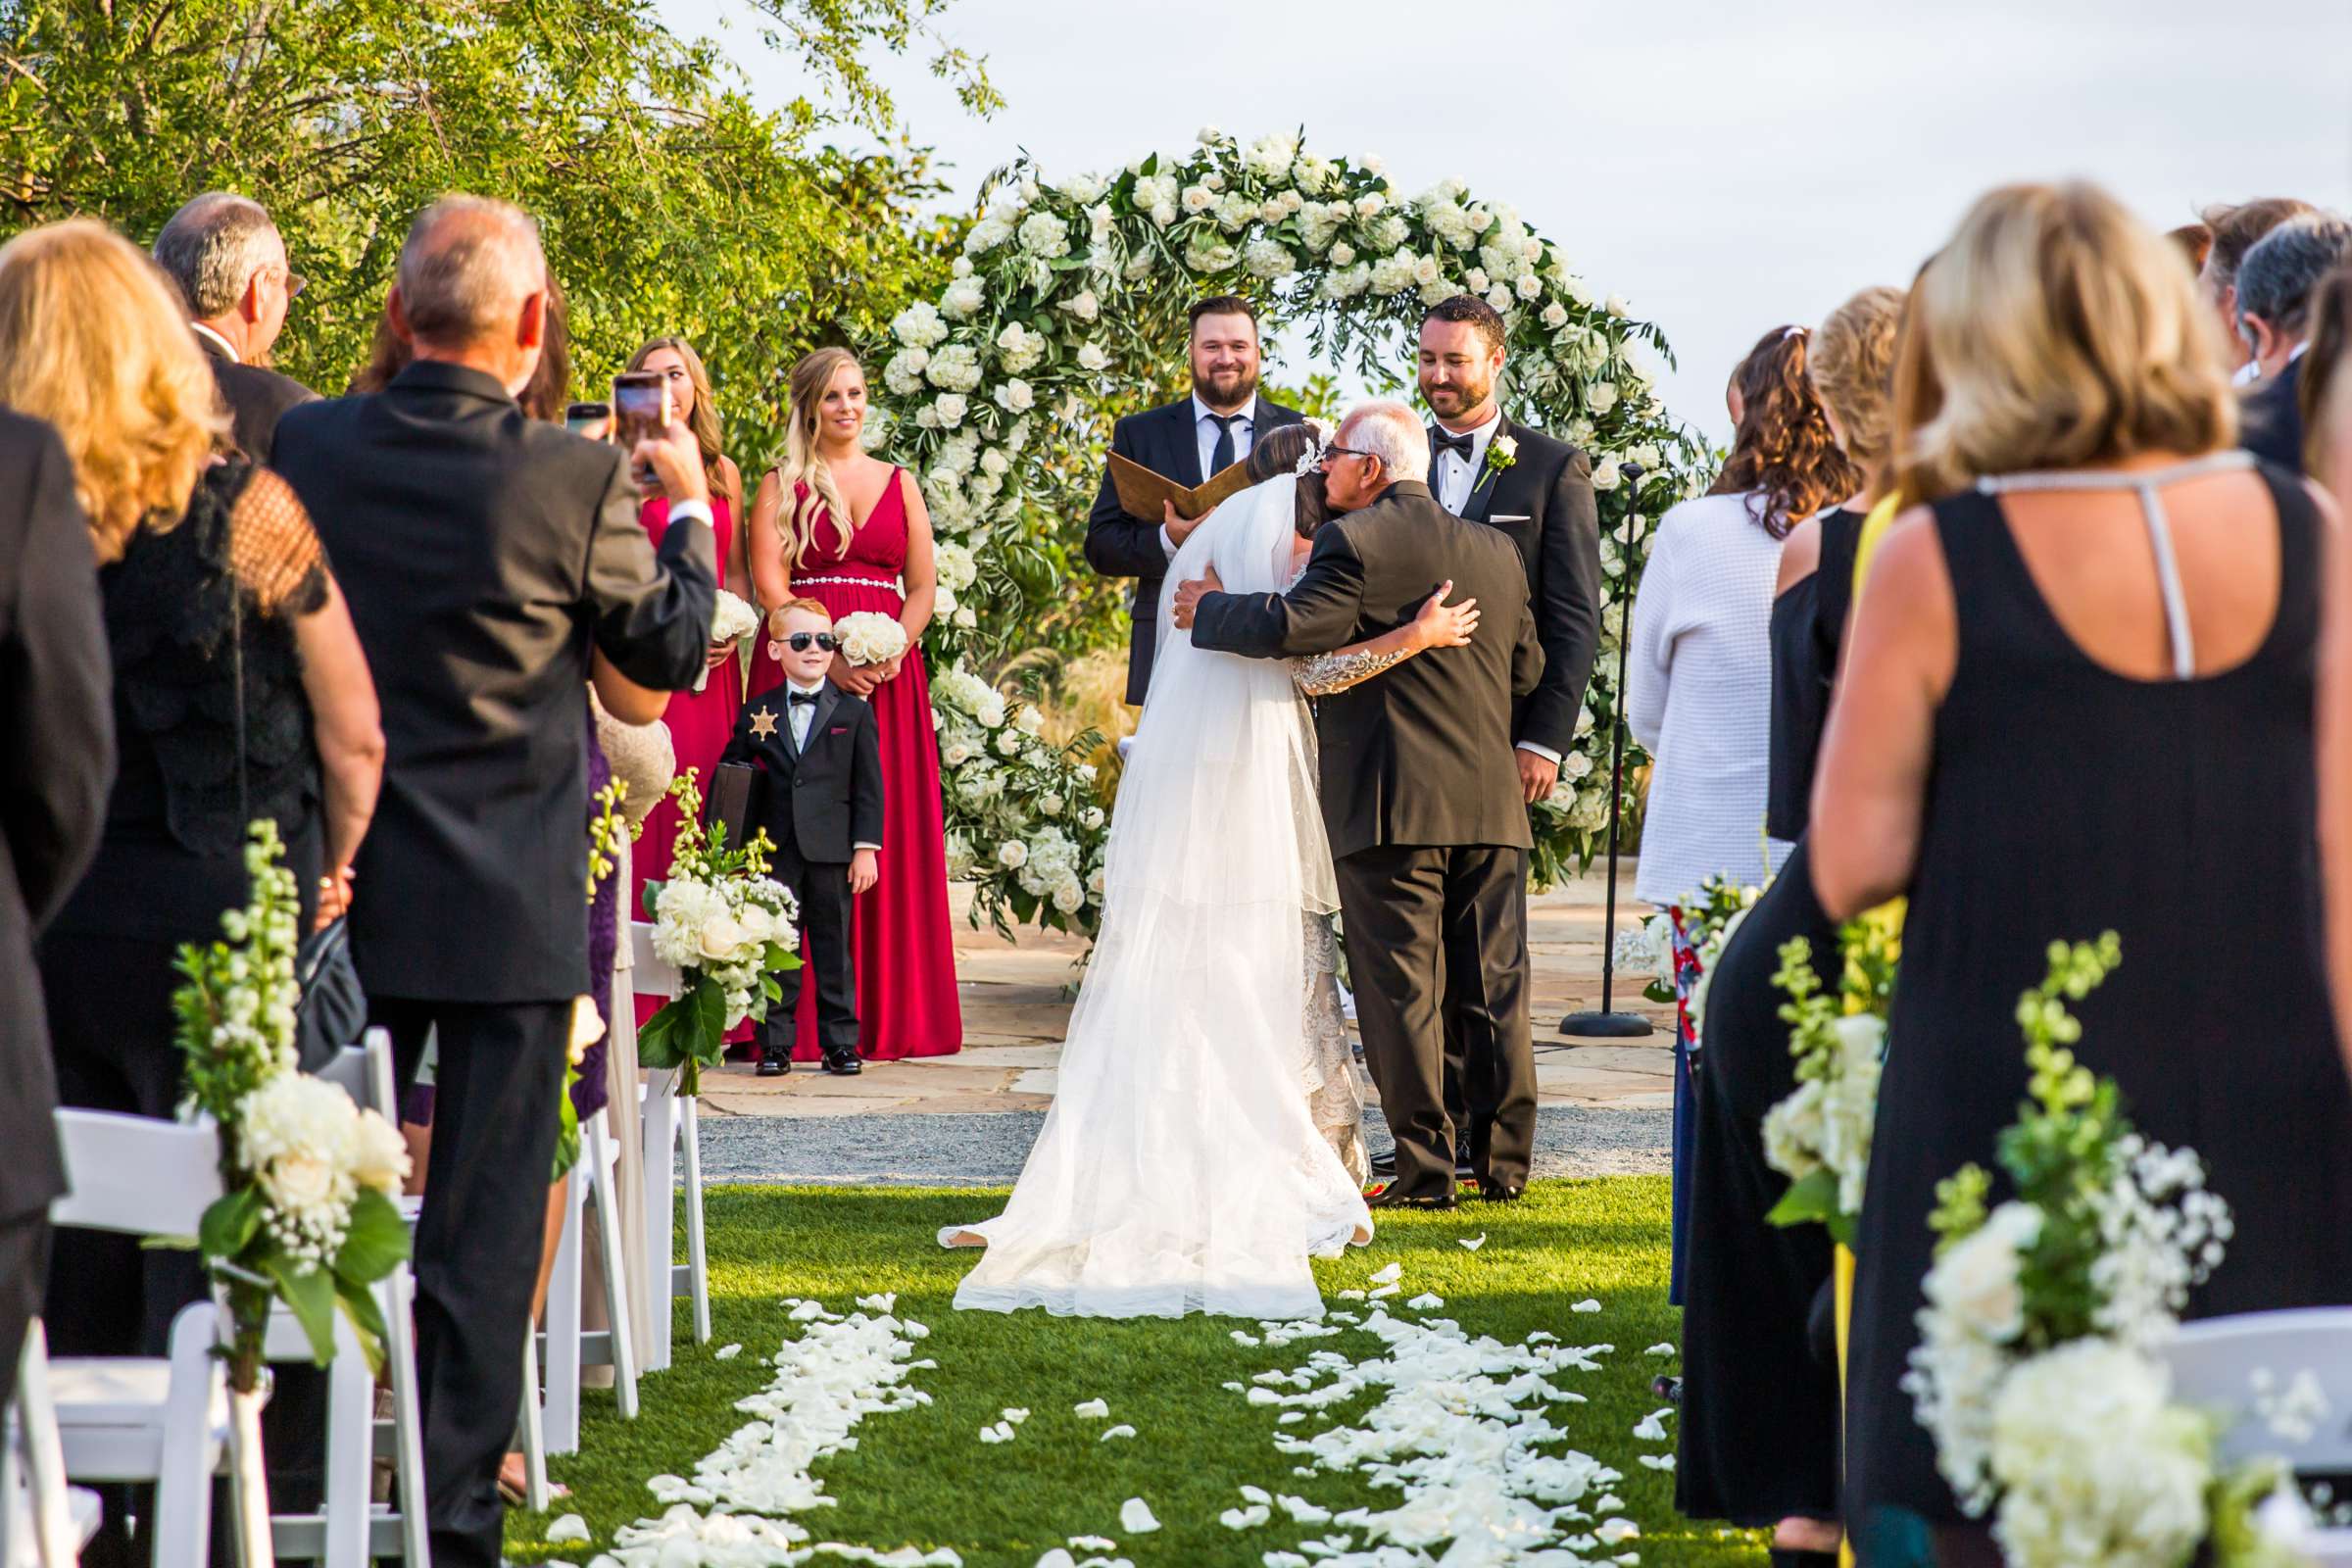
(640, 405)
(591, 419)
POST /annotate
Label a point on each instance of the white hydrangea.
(1235, 211)
(1268, 258)
(1270, 155)
(1018, 348)
(1083, 188)
(920, 326)
(963, 299)
(903, 373)
(1044, 235)
(955, 368)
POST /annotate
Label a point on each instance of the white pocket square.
(1509, 516)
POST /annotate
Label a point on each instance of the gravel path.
(987, 1150)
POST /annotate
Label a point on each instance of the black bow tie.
(802, 699)
(1439, 442)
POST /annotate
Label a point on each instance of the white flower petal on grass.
(727, 1352)
(1651, 1430)
(1092, 1544)
(1017, 1417)
(1586, 1305)
(1471, 1244)
(998, 1433)
(1110, 1433)
(886, 1302)
(1289, 1417)
(1656, 1461)
(1304, 1512)
(1249, 1518)
(1285, 1559)
(1664, 1348)
(1388, 1289)
(1135, 1517)
(1091, 1410)
(1256, 1494)
(1617, 1531)
(1426, 1302)
(1389, 1275)
(1608, 1502)
(808, 1311)
(1352, 1295)
(1242, 1337)
(571, 1527)
(1057, 1557)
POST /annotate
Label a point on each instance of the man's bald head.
(466, 269)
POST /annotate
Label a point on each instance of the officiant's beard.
(1458, 397)
(1228, 389)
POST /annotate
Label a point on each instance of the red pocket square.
(839, 729)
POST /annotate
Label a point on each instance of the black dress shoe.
(1461, 1161)
(844, 1066)
(773, 1067)
(1496, 1193)
(1390, 1197)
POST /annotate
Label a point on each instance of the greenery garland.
(1070, 290)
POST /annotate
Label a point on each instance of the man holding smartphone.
(494, 564)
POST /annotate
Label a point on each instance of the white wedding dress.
(1181, 1168)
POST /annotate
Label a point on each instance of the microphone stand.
(1608, 1024)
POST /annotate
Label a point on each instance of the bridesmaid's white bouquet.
(732, 620)
(870, 637)
(2038, 1373)
(1820, 1136)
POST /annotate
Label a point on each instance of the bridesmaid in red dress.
(906, 1002)
(698, 722)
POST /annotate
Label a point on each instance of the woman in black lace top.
(206, 563)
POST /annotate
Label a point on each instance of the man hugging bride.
(1205, 1140)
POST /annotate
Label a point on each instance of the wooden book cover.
(1143, 492)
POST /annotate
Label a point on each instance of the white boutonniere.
(1502, 452)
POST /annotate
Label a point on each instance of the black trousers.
(23, 1271)
(111, 1038)
(1438, 937)
(824, 891)
(501, 1067)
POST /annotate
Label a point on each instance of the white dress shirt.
(226, 347)
(800, 715)
(1205, 431)
(1454, 477)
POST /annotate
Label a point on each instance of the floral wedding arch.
(1069, 289)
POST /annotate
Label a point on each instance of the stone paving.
(1016, 1005)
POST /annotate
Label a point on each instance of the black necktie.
(1220, 456)
(803, 699)
(1441, 442)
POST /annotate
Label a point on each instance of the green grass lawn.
(923, 1478)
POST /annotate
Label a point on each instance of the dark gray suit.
(256, 399)
(1427, 821)
(1165, 440)
(56, 766)
(2271, 420)
(484, 554)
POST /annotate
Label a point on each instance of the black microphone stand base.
(1605, 1025)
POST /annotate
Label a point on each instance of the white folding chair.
(669, 1119)
(2217, 1363)
(565, 1347)
(43, 1522)
(166, 1420)
(348, 1530)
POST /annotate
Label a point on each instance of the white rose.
(1342, 254)
(1602, 396)
(1009, 744)
(1017, 396)
(1616, 306)
(1092, 358)
(1048, 805)
(300, 1181)
(1208, 136)
(379, 1155)
(718, 937)
(1199, 198)
(758, 926)
(1606, 477)
(1575, 764)
(948, 408)
(1975, 1283)
(965, 617)
(1529, 286)
(1068, 896)
(964, 298)
(1012, 854)
(1370, 205)
(956, 754)
(1083, 305)
(1091, 818)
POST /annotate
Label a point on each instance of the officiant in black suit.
(229, 260)
(494, 564)
(55, 770)
(1423, 805)
(1189, 442)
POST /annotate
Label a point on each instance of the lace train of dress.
(1183, 1166)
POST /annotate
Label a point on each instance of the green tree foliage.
(671, 203)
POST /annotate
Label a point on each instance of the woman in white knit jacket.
(1699, 680)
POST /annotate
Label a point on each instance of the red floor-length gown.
(905, 958)
(699, 724)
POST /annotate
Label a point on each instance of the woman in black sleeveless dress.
(1759, 1399)
(2048, 794)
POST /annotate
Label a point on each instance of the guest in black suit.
(2274, 288)
(230, 261)
(819, 758)
(494, 564)
(55, 769)
(1189, 442)
(1421, 801)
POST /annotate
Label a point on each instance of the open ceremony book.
(1142, 492)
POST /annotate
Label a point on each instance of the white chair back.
(2217, 1363)
(347, 1070)
(135, 1173)
(654, 977)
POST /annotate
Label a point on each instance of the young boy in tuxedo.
(820, 796)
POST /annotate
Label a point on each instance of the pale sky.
(1726, 166)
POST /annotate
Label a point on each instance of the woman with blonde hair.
(239, 693)
(1759, 1431)
(2072, 670)
(850, 531)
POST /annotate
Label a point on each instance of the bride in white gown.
(1182, 1167)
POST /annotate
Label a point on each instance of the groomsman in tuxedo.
(56, 766)
(230, 261)
(1189, 442)
(495, 566)
(1538, 492)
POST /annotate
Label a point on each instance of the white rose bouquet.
(728, 927)
(870, 637)
(1819, 1136)
(307, 1214)
(2035, 1371)
(732, 620)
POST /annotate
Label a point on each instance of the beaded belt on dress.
(887, 584)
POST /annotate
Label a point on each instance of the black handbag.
(331, 1012)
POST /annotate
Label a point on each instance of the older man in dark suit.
(2276, 286)
(230, 261)
(495, 566)
(1189, 442)
(57, 765)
